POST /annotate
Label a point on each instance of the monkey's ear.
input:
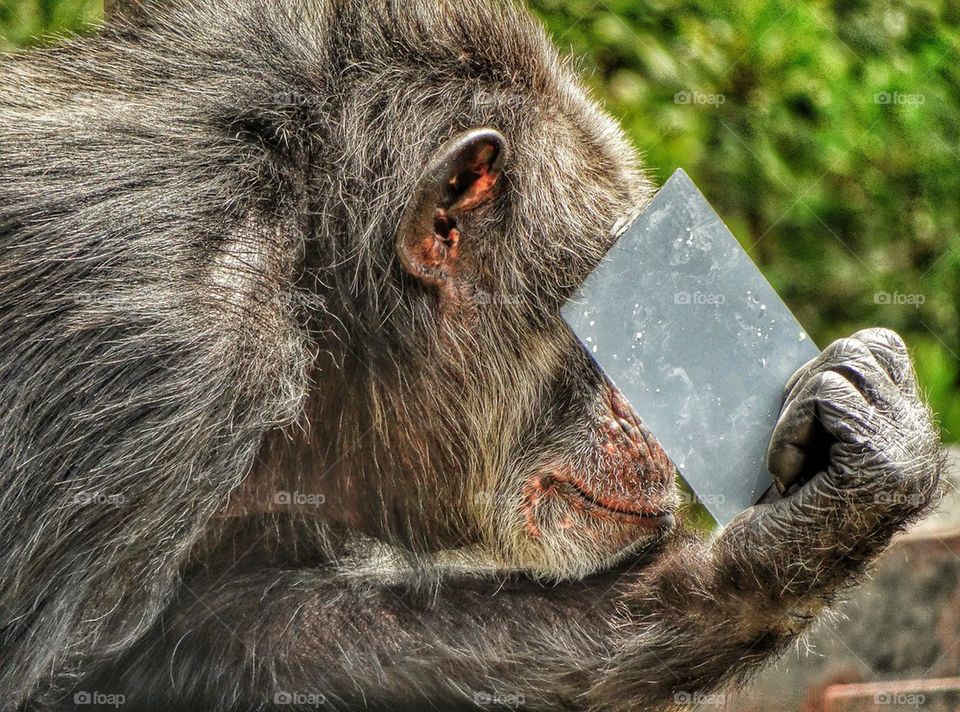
(459, 178)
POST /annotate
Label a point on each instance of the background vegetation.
(826, 133)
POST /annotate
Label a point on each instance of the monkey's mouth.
(640, 512)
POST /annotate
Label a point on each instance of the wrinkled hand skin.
(855, 409)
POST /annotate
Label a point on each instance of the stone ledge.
(936, 695)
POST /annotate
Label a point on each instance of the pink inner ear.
(479, 191)
(473, 186)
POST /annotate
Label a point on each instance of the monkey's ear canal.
(460, 178)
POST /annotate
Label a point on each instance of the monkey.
(290, 419)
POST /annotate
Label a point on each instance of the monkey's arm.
(626, 639)
(677, 625)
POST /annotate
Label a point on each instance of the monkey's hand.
(858, 457)
(853, 424)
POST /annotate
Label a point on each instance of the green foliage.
(25, 22)
(827, 134)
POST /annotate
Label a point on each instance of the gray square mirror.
(687, 327)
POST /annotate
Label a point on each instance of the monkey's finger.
(827, 403)
(889, 350)
(816, 363)
(790, 449)
(799, 375)
(787, 452)
(836, 353)
(852, 359)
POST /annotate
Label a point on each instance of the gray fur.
(201, 306)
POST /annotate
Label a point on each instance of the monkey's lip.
(631, 512)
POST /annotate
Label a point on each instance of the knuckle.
(829, 385)
(846, 350)
(883, 337)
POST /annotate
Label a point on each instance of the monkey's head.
(478, 187)
(306, 246)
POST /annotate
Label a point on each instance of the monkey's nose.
(629, 433)
(625, 417)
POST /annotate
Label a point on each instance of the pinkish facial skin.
(618, 497)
